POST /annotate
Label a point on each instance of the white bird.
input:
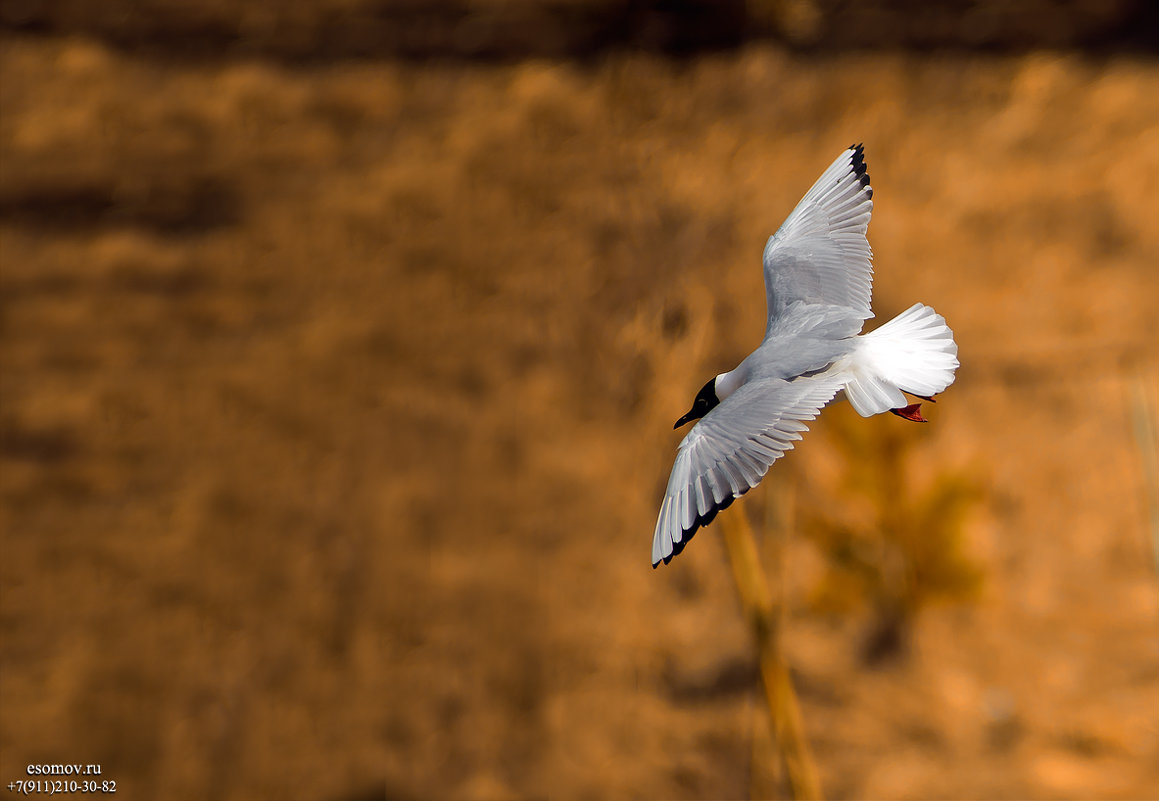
(818, 279)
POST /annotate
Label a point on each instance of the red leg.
(912, 412)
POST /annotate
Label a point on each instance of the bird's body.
(818, 283)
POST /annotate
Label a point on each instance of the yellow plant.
(893, 538)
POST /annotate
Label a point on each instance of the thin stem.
(1144, 415)
(757, 602)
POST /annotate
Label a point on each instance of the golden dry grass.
(336, 404)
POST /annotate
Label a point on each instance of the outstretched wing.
(820, 253)
(730, 450)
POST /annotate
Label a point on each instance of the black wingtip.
(700, 522)
(859, 168)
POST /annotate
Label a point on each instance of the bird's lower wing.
(728, 452)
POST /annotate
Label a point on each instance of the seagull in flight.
(818, 277)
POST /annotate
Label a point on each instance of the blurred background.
(342, 341)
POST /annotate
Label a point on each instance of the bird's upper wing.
(730, 449)
(820, 253)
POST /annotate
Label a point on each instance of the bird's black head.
(705, 402)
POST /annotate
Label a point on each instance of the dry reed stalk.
(1144, 414)
(766, 771)
(757, 601)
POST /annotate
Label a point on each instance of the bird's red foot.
(912, 412)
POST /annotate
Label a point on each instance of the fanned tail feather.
(914, 352)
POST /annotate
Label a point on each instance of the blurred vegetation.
(897, 541)
(324, 30)
(341, 314)
(763, 610)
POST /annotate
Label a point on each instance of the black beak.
(686, 418)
